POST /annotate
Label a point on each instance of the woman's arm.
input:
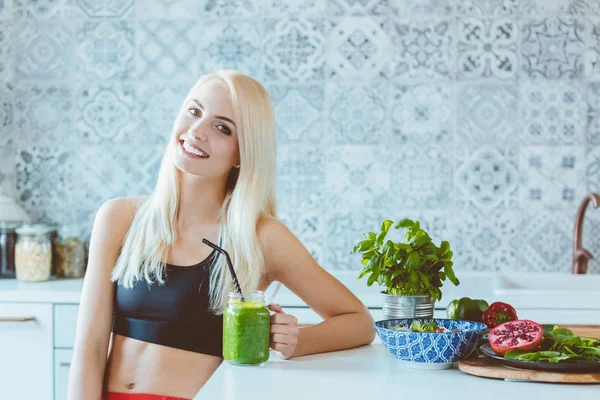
(95, 315)
(347, 322)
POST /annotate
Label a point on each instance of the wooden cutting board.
(489, 368)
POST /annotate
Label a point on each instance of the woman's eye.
(194, 111)
(224, 129)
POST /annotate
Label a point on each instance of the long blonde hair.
(250, 193)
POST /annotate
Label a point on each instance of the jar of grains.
(70, 251)
(33, 253)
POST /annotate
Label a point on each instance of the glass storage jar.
(70, 252)
(8, 240)
(33, 253)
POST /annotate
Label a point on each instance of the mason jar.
(33, 253)
(70, 255)
(246, 329)
(8, 241)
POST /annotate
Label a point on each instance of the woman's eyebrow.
(216, 116)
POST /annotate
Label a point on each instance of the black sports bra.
(175, 314)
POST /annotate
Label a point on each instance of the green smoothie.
(246, 329)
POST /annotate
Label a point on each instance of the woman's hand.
(284, 332)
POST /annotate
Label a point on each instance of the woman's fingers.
(286, 319)
(276, 307)
(279, 338)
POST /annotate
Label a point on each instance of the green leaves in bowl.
(561, 345)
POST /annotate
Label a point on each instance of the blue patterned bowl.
(436, 350)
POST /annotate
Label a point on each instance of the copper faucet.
(580, 255)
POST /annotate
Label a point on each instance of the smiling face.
(205, 134)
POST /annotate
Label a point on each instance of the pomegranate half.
(523, 335)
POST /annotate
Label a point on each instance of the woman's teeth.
(193, 150)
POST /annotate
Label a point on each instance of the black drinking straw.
(236, 283)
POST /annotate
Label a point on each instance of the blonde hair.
(250, 193)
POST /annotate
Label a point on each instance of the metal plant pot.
(397, 307)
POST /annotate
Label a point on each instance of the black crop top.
(175, 314)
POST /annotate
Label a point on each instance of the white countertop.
(569, 295)
(370, 372)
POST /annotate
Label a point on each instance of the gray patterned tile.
(6, 114)
(43, 177)
(106, 50)
(591, 171)
(411, 8)
(167, 50)
(574, 7)
(344, 230)
(592, 67)
(360, 7)
(106, 113)
(293, 50)
(43, 114)
(46, 9)
(592, 131)
(552, 113)
(357, 48)
(304, 8)
(488, 7)
(422, 49)
(158, 105)
(107, 8)
(551, 177)
(421, 177)
(231, 45)
(487, 48)
(128, 169)
(591, 238)
(309, 227)
(487, 242)
(168, 9)
(232, 8)
(487, 113)
(423, 114)
(7, 170)
(298, 113)
(552, 48)
(301, 178)
(6, 10)
(486, 179)
(348, 105)
(43, 50)
(357, 177)
(6, 52)
(546, 241)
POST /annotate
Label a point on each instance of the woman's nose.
(198, 130)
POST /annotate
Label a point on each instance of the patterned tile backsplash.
(480, 118)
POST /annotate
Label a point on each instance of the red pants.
(137, 396)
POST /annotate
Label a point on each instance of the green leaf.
(371, 236)
(405, 223)
(372, 278)
(424, 279)
(420, 241)
(413, 261)
(364, 272)
(397, 273)
(385, 225)
(450, 274)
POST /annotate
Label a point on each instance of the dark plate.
(487, 351)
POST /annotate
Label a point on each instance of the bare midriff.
(134, 366)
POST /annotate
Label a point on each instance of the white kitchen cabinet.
(65, 324)
(26, 351)
(62, 364)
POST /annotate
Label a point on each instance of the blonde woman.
(167, 290)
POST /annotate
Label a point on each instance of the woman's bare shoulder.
(119, 209)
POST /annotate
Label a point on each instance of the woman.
(215, 182)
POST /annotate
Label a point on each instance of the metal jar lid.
(34, 229)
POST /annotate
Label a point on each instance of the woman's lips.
(187, 153)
